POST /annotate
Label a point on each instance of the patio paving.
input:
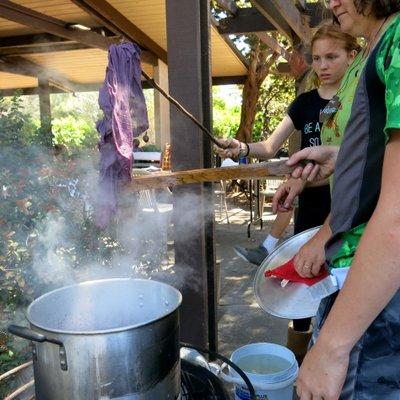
(240, 320)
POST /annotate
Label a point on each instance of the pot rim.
(104, 331)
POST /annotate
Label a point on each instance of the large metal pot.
(106, 339)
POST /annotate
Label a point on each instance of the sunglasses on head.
(330, 109)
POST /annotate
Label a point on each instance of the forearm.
(268, 148)
(373, 280)
(262, 150)
(325, 232)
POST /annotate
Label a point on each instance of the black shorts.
(314, 207)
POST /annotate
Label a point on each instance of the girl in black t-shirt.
(332, 52)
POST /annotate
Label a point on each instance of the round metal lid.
(294, 300)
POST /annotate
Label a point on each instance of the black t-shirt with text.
(304, 112)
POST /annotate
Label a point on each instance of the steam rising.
(66, 247)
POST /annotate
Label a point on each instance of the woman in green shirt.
(357, 353)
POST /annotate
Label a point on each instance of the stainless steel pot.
(106, 339)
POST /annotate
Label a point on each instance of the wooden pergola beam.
(94, 87)
(229, 80)
(246, 20)
(269, 11)
(301, 3)
(107, 15)
(273, 45)
(41, 22)
(25, 16)
(38, 43)
(14, 42)
(21, 66)
(297, 21)
(228, 5)
(232, 46)
(283, 68)
(39, 49)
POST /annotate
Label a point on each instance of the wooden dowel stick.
(15, 370)
(244, 171)
(20, 390)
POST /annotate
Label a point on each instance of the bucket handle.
(29, 334)
(239, 380)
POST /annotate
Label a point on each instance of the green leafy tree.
(261, 61)
(226, 118)
(276, 93)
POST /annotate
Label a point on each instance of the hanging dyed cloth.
(125, 117)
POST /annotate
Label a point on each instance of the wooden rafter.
(301, 3)
(44, 23)
(30, 40)
(228, 5)
(276, 10)
(283, 68)
(21, 66)
(246, 20)
(229, 42)
(36, 44)
(269, 11)
(94, 87)
(107, 15)
(38, 49)
(296, 20)
(273, 44)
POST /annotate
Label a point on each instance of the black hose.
(226, 361)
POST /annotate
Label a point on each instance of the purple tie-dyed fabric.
(125, 117)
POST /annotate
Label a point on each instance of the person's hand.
(323, 372)
(310, 258)
(286, 193)
(321, 166)
(230, 148)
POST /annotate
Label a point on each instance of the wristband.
(244, 149)
(247, 149)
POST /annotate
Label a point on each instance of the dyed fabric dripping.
(125, 117)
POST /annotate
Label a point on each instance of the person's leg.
(277, 231)
(314, 207)
(258, 254)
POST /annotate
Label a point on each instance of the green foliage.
(74, 133)
(15, 126)
(226, 117)
(277, 93)
(74, 120)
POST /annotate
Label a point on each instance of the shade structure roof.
(87, 65)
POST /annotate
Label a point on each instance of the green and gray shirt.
(357, 182)
(332, 132)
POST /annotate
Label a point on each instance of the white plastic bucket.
(271, 386)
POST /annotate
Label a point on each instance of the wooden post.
(45, 110)
(205, 29)
(186, 80)
(161, 106)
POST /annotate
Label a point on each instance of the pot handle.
(26, 333)
(29, 334)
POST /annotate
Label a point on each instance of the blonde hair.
(332, 31)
